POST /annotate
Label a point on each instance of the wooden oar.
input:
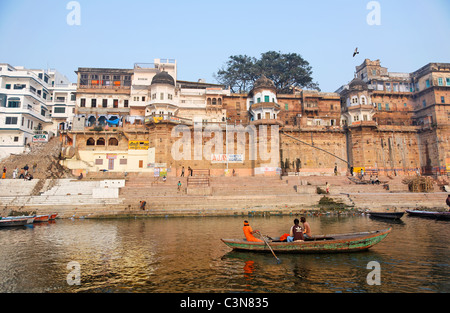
(264, 238)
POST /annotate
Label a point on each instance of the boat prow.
(335, 243)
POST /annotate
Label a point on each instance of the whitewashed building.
(24, 114)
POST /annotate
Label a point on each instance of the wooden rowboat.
(10, 222)
(390, 215)
(429, 214)
(316, 244)
(53, 216)
(41, 218)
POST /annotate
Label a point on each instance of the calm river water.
(185, 255)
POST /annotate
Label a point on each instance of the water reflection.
(186, 255)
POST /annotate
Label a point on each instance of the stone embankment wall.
(93, 198)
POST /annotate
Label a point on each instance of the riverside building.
(145, 119)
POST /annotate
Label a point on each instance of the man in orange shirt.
(248, 232)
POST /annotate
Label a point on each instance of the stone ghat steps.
(231, 201)
(59, 200)
(399, 200)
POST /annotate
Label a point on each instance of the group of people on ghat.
(298, 232)
(23, 174)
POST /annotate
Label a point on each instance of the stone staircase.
(62, 196)
(42, 160)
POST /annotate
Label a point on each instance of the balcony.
(167, 119)
(267, 121)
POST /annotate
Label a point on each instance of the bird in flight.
(356, 52)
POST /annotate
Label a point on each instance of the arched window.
(100, 141)
(208, 102)
(363, 100)
(90, 142)
(102, 120)
(113, 142)
(91, 121)
(214, 101)
(219, 101)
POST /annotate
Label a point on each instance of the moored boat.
(389, 215)
(429, 214)
(41, 218)
(6, 222)
(53, 216)
(316, 244)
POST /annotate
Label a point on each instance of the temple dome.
(163, 78)
(357, 84)
(264, 83)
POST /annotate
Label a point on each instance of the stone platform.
(90, 198)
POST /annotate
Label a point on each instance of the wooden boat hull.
(53, 216)
(15, 222)
(390, 215)
(317, 244)
(41, 218)
(429, 214)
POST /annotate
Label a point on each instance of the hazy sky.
(201, 35)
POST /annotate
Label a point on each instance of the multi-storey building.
(62, 102)
(24, 114)
(389, 123)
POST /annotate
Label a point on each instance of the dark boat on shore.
(20, 221)
(388, 215)
(316, 244)
(429, 214)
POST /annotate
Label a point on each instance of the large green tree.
(285, 70)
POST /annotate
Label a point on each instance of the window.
(266, 99)
(440, 81)
(16, 139)
(154, 96)
(100, 141)
(59, 110)
(427, 82)
(356, 118)
(115, 103)
(214, 101)
(286, 106)
(10, 120)
(8, 86)
(448, 81)
(442, 99)
(424, 103)
(258, 100)
(170, 97)
(125, 103)
(98, 161)
(388, 86)
(93, 103)
(143, 98)
(387, 106)
(13, 103)
(82, 103)
(364, 117)
(105, 103)
(374, 72)
(113, 142)
(161, 96)
(90, 142)
(123, 161)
